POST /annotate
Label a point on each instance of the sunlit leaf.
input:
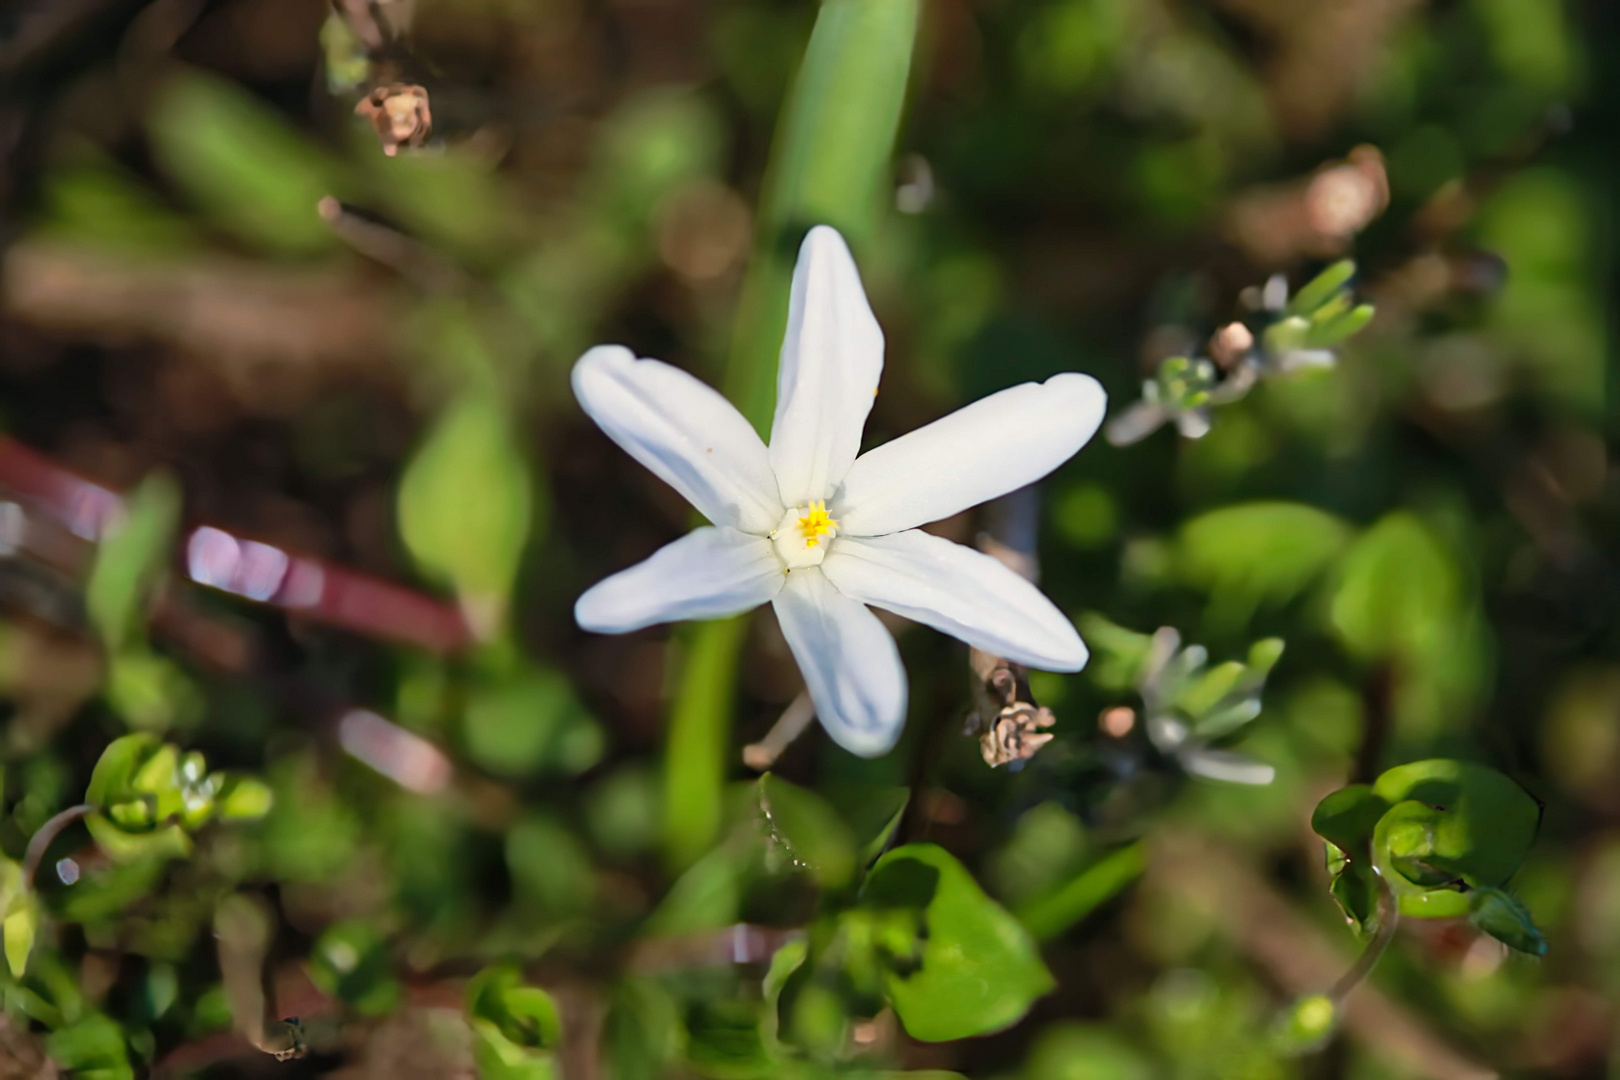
(979, 970)
(130, 559)
(241, 163)
(1261, 552)
(465, 502)
(531, 723)
(808, 830)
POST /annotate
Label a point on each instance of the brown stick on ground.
(1296, 954)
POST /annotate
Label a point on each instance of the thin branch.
(47, 833)
(1389, 919)
(790, 725)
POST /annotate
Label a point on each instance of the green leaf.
(550, 868)
(829, 165)
(529, 724)
(128, 846)
(707, 895)
(1259, 552)
(242, 163)
(524, 1015)
(1501, 915)
(131, 558)
(1482, 822)
(113, 779)
(979, 970)
(1398, 591)
(242, 798)
(1074, 1051)
(1340, 327)
(874, 813)
(99, 205)
(350, 961)
(1347, 817)
(810, 831)
(466, 501)
(21, 923)
(1321, 288)
(91, 1049)
(1055, 911)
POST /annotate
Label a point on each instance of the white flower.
(821, 530)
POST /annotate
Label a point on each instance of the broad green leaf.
(350, 961)
(874, 813)
(242, 164)
(1398, 593)
(1074, 1051)
(242, 798)
(97, 204)
(706, 896)
(131, 558)
(1501, 915)
(151, 691)
(649, 146)
(516, 1026)
(550, 868)
(21, 923)
(810, 831)
(531, 723)
(113, 779)
(979, 969)
(91, 1049)
(1258, 553)
(1048, 846)
(465, 503)
(642, 1031)
(129, 846)
(1482, 823)
(1347, 817)
(725, 1039)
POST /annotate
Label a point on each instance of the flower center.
(802, 536)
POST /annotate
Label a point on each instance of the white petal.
(705, 574)
(1227, 766)
(965, 593)
(831, 359)
(996, 445)
(685, 432)
(850, 663)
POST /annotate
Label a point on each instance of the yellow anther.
(816, 523)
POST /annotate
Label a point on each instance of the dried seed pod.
(400, 113)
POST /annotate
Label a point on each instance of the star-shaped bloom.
(821, 530)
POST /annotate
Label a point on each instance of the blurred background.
(290, 475)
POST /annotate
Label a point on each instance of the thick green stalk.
(829, 165)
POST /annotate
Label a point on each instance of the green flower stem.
(829, 165)
(1389, 918)
(699, 730)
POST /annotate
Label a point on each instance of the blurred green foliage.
(550, 856)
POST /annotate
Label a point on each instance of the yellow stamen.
(816, 523)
